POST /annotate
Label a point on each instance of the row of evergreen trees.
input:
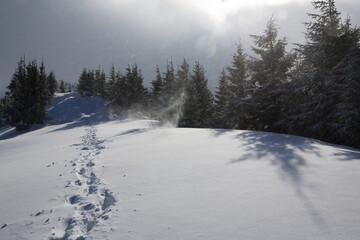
(179, 96)
(311, 91)
(30, 91)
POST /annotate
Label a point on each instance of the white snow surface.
(84, 176)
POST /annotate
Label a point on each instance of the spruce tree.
(43, 93)
(18, 93)
(198, 108)
(237, 86)
(120, 92)
(86, 83)
(169, 83)
(111, 85)
(100, 82)
(222, 96)
(330, 57)
(69, 88)
(29, 95)
(81, 87)
(90, 80)
(345, 117)
(182, 77)
(62, 87)
(157, 91)
(316, 69)
(268, 73)
(136, 92)
(5, 105)
(52, 83)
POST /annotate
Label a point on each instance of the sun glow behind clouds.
(218, 10)
(214, 12)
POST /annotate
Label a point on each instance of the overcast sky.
(72, 34)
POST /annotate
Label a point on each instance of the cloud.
(72, 34)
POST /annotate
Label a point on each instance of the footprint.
(89, 224)
(39, 213)
(92, 189)
(82, 171)
(108, 201)
(68, 184)
(74, 199)
(88, 207)
(93, 179)
(78, 182)
(90, 164)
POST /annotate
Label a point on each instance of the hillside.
(85, 176)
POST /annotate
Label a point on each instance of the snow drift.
(83, 176)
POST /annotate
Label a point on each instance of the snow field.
(218, 184)
(86, 177)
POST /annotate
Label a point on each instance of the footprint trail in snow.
(90, 199)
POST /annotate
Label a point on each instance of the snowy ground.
(84, 176)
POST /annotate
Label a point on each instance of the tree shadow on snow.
(282, 151)
(287, 153)
(279, 149)
(345, 153)
(69, 110)
(9, 132)
(76, 111)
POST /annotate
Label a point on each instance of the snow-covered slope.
(84, 176)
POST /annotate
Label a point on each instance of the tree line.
(30, 91)
(311, 90)
(179, 96)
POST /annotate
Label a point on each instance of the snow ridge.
(91, 200)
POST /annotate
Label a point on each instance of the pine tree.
(331, 47)
(157, 91)
(120, 91)
(42, 93)
(17, 89)
(69, 88)
(90, 80)
(136, 92)
(198, 107)
(222, 96)
(81, 88)
(62, 87)
(182, 77)
(100, 82)
(182, 81)
(29, 95)
(237, 85)
(111, 86)
(169, 83)
(345, 117)
(86, 84)
(52, 83)
(268, 73)
(5, 105)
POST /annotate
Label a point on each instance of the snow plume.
(168, 114)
